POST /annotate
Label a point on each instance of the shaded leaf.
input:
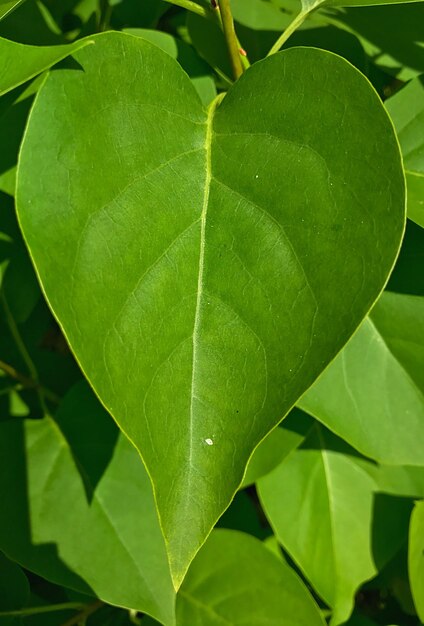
(111, 547)
(7, 6)
(222, 253)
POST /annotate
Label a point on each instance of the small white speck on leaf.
(209, 441)
(257, 176)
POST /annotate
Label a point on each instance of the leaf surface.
(236, 580)
(21, 62)
(372, 395)
(406, 108)
(207, 254)
(416, 557)
(108, 544)
(331, 500)
(7, 6)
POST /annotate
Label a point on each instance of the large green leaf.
(107, 542)
(207, 253)
(372, 395)
(19, 62)
(236, 580)
(320, 504)
(416, 558)
(406, 109)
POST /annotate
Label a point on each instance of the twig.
(35, 610)
(298, 21)
(82, 615)
(231, 38)
(27, 382)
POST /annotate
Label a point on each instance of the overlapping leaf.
(236, 580)
(95, 533)
(416, 557)
(214, 262)
(372, 394)
(406, 109)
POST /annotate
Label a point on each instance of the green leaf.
(416, 558)
(109, 545)
(319, 503)
(391, 35)
(199, 71)
(21, 62)
(277, 445)
(7, 6)
(236, 580)
(207, 253)
(372, 395)
(406, 109)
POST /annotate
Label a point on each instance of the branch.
(82, 615)
(298, 21)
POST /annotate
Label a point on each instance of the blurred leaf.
(14, 590)
(236, 580)
(392, 36)
(7, 6)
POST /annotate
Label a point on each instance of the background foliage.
(328, 523)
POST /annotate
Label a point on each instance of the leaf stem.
(27, 382)
(36, 610)
(231, 38)
(88, 610)
(193, 7)
(298, 21)
(13, 327)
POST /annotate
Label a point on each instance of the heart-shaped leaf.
(206, 266)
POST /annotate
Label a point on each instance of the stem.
(230, 36)
(29, 383)
(23, 351)
(193, 7)
(35, 610)
(105, 13)
(82, 615)
(298, 21)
